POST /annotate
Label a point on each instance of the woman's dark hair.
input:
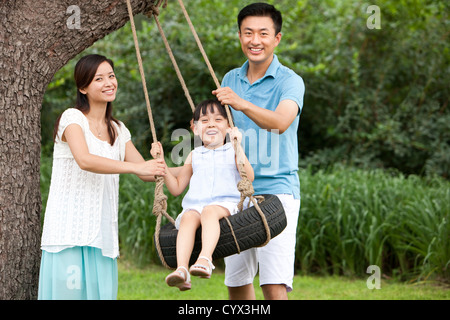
(202, 108)
(84, 73)
(261, 9)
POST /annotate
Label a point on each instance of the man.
(266, 100)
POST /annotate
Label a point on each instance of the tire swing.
(252, 227)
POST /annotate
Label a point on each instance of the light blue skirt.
(78, 273)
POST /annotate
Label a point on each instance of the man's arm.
(280, 119)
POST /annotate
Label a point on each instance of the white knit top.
(82, 206)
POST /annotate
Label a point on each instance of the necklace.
(96, 125)
(99, 133)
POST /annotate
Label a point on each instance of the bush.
(136, 220)
(374, 98)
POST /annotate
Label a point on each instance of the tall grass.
(349, 219)
(136, 220)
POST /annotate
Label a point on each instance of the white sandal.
(179, 279)
(202, 271)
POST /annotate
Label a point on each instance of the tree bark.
(35, 42)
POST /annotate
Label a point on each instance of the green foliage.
(374, 98)
(136, 220)
(349, 219)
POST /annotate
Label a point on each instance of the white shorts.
(231, 206)
(276, 259)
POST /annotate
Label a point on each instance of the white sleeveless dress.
(213, 182)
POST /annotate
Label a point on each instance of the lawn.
(148, 284)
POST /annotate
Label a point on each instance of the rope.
(160, 202)
(238, 248)
(141, 70)
(244, 186)
(172, 58)
(205, 56)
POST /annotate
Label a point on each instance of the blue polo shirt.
(273, 156)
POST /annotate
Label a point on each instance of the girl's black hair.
(202, 108)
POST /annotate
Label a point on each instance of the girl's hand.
(155, 167)
(157, 150)
(235, 134)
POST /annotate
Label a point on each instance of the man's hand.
(280, 119)
(226, 96)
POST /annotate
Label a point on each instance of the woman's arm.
(74, 136)
(134, 156)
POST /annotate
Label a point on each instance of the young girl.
(80, 234)
(212, 174)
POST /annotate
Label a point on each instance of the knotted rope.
(245, 185)
(160, 202)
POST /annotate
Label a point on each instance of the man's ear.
(278, 37)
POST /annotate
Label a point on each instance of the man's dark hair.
(261, 9)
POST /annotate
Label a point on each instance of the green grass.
(148, 284)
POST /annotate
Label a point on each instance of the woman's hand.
(155, 167)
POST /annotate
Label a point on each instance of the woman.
(80, 236)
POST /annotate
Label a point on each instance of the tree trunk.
(37, 38)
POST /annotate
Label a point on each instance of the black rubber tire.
(248, 229)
